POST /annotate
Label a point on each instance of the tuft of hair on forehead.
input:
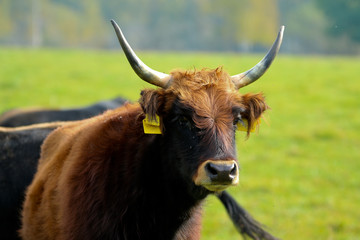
(194, 80)
(208, 91)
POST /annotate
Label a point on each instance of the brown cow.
(104, 178)
(20, 148)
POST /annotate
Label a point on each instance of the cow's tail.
(246, 225)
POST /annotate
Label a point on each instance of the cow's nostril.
(211, 168)
(233, 171)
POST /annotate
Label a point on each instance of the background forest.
(312, 26)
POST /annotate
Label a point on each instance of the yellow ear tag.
(151, 126)
(243, 126)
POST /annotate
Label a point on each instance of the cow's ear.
(255, 106)
(151, 102)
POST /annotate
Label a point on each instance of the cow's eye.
(184, 122)
(238, 120)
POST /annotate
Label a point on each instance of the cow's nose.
(217, 175)
(222, 172)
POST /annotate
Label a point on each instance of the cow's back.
(23, 117)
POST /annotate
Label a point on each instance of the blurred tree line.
(312, 26)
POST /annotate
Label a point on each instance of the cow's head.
(199, 112)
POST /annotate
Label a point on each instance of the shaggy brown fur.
(103, 178)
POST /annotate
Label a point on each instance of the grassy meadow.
(300, 173)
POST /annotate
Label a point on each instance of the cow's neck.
(165, 199)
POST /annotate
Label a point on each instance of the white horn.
(144, 72)
(245, 78)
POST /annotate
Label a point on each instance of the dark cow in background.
(23, 117)
(20, 148)
(104, 178)
(20, 151)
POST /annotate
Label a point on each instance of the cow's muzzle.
(216, 175)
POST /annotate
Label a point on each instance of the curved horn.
(144, 72)
(245, 78)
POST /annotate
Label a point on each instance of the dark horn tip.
(114, 23)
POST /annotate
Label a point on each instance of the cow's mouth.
(217, 188)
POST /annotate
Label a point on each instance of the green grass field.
(300, 173)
